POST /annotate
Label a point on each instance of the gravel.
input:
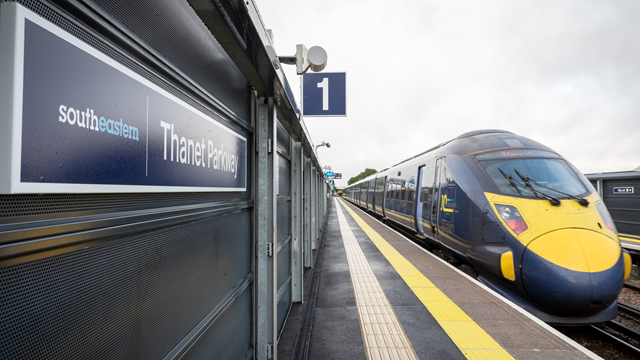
(584, 337)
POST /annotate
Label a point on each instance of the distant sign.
(324, 94)
(337, 176)
(331, 182)
(623, 190)
(329, 174)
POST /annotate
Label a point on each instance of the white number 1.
(325, 93)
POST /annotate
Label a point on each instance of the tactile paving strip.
(382, 333)
(468, 336)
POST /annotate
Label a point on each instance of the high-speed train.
(516, 214)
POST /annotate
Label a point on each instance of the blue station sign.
(85, 123)
(324, 94)
(329, 174)
(623, 190)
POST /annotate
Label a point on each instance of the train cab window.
(550, 175)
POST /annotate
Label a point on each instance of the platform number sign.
(324, 94)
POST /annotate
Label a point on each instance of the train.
(512, 213)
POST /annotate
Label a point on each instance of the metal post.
(324, 200)
(599, 183)
(314, 206)
(297, 262)
(308, 258)
(318, 206)
(265, 227)
(272, 259)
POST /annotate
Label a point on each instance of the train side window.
(427, 184)
(411, 191)
(448, 177)
(403, 191)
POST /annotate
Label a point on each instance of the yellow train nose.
(577, 250)
(573, 271)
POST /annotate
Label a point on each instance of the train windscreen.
(520, 175)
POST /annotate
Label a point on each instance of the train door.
(375, 195)
(424, 199)
(435, 199)
(418, 205)
(384, 197)
(372, 195)
(367, 195)
(448, 201)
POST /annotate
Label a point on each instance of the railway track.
(621, 336)
(632, 287)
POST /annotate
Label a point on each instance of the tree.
(362, 175)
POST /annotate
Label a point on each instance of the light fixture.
(323, 144)
(314, 59)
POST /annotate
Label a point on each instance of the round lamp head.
(317, 58)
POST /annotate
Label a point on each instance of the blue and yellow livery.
(521, 215)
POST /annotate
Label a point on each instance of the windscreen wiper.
(528, 180)
(554, 201)
(511, 181)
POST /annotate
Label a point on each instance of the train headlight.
(608, 222)
(512, 217)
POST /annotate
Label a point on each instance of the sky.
(563, 73)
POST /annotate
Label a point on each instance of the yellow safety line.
(382, 334)
(472, 341)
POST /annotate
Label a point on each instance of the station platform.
(381, 296)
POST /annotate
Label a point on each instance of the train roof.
(479, 140)
(472, 142)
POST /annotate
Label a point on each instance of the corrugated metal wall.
(135, 275)
(623, 207)
(162, 275)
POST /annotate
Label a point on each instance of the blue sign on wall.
(324, 94)
(330, 174)
(88, 124)
(623, 190)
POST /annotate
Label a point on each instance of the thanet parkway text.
(186, 150)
